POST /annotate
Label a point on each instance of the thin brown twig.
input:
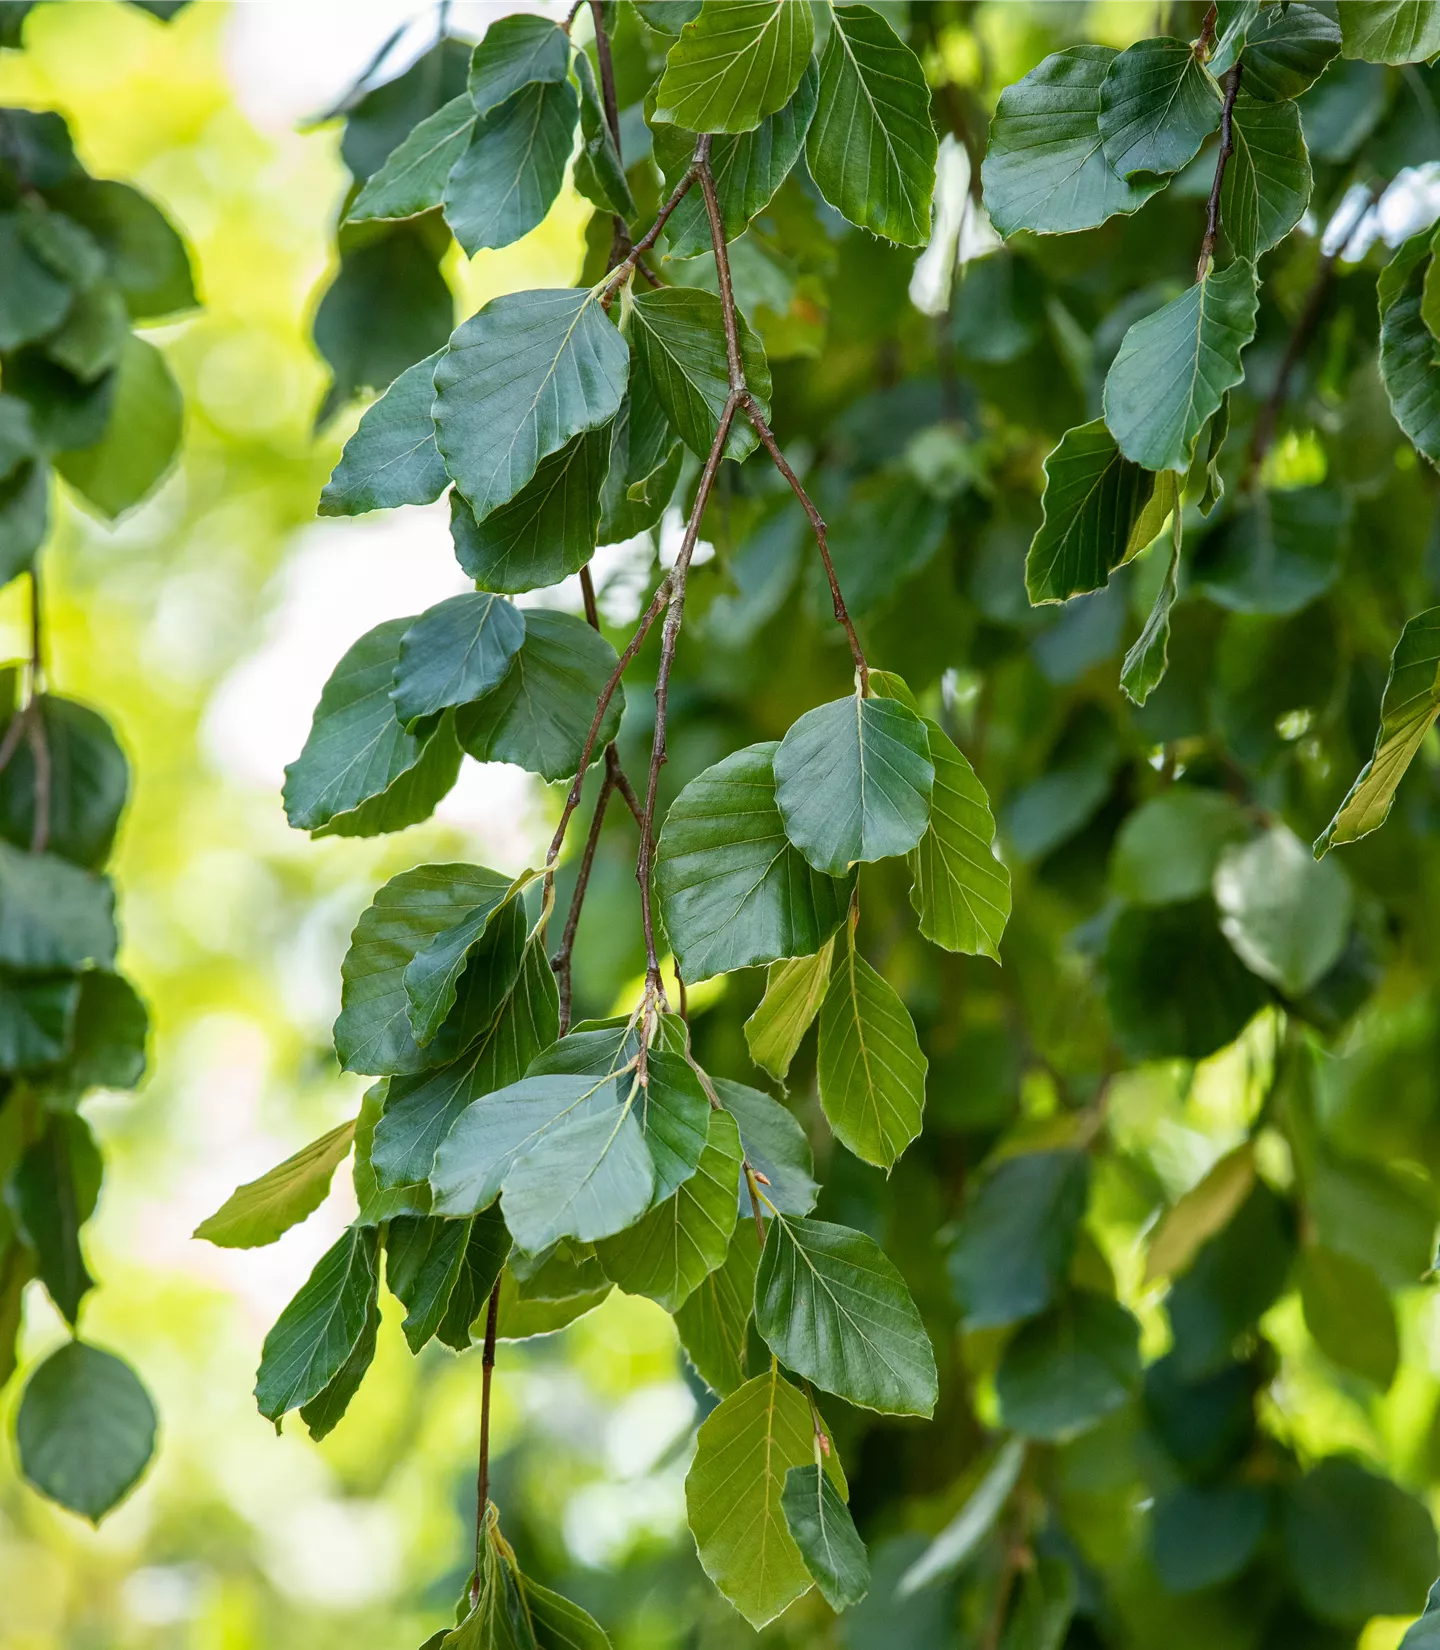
(1227, 148)
(482, 1475)
(618, 275)
(561, 961)
(1207, 32)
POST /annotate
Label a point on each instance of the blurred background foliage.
(205, 624)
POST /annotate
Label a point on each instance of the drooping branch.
(1227, 148)
(482, 1474)
(561, 961)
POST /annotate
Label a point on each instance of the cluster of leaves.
(512, 1169)
(82, 397)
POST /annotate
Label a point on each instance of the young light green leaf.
(373, 1032)
(872, 1073)
(547, 531)
(413, 177)
(748, 169)
(775, 1146)
(732, 889)
(853, 781)
(871, 146)
(1286, 51)
(739, 61)
(960, 890)
(454, 653)
(713, 1321)
(1286, 914)
(733, 1495)
(1407, 713)
(832, 1307)
(794, 991)
(519, 380)
(392, 458)
(261, 1210)
(1408, 349)
(541, 712)
(53, 915)
(140, 439)
(1174, 367)
(1267, 181)
(1198, 1214)
(588, 1178)
(1389, 31)
(1045, 169)
(316, 1333)
(1099, 511)
(360, 773)
(678, 336)
(505, 182)
(1158, 104)
(1067, 1370)
(669, 1252)
(1149, 656)
(516, 51)
(820, 1525)
(85, 1429)
(423, 1258)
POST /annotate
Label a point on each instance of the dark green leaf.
(599, 171)
(1158, 104)
(1277, 554)
(1205, 1535)
(1349, 1314)
(517, 51)
(1389, 31)
(739, 61)
(484, 1257)
(85, 1429)
(1236, 1275)
(94, 333)
(475, 959)
(413, 177)
(24, 516)
(1267, 181)
(423, 1259)
(37, 1020)
(820, 1525)
(53, 915)
(89, 781)
(733, 890)
(1045, 169)
(1407, 349)
(324, 1411)
(66, 413)
(1067, 1370)
(145, 257)
(645, 459)
(502, 186)
(713, 1321)
(674, 1114)
(392, 457)
(455, 653)
(522, 377)
(1168, 848)
(140, 440)
(679, 341)
(871, 146)
(53, 1193)
(376, 1204)
(33, 298)
(260, 1211)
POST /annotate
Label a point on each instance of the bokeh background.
(204, 625)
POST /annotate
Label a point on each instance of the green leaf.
(714, 1318)
(324, 1411)
(454, 653)
(1099, 511)
(853, 782)
(85, 1429)
(1349, 1315)
(491, 1133)
(377, 1205)
(733, 891)
(1286, 914)
(1234, 1277)
(1149, 656)
(1267, 181)
(521, 1319)
(673, 1248)
(33, 298)
(502, 186)
(260, 1211)
(820, 1525)
(587, 1177)
(733, 1495)
(486, 1250)
(392, 457)
(423, 1259)
(1277, 554)
(89, 782)
(360, 773)
(1425, 1633)
(413, 177)
(516, 51)
(140, 440)
(1196, 1216)
(146, 258)
(794, 991)
(24, 517)
(547, 531)
(541, 712)
(52, 1193)
(94, 333)
(645, 459)
(1175, 989)
(422, 1107)
(1067, 1370)
(599, 171)
(373, 1033)
(37, 1020)
(775, 1146)
(1384, 1219)
(748, 169)
(53, 915)
(872, 146)
(1389, 31)
(1045, 169)
(1407, 713)
(872, 1073)
(316, 1333)
(520, 379)
(1204, 1535)
(832, 1307)
(679, 341)
(1158, 104)
(969, 1527)
(1174, 367)
(739, 61)
(960, 890)
(675, 1117)
(1015, 1239)
(111, 1027)
(1407, 352)
(1167, 850)
(1286, 51)
(478, 955)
